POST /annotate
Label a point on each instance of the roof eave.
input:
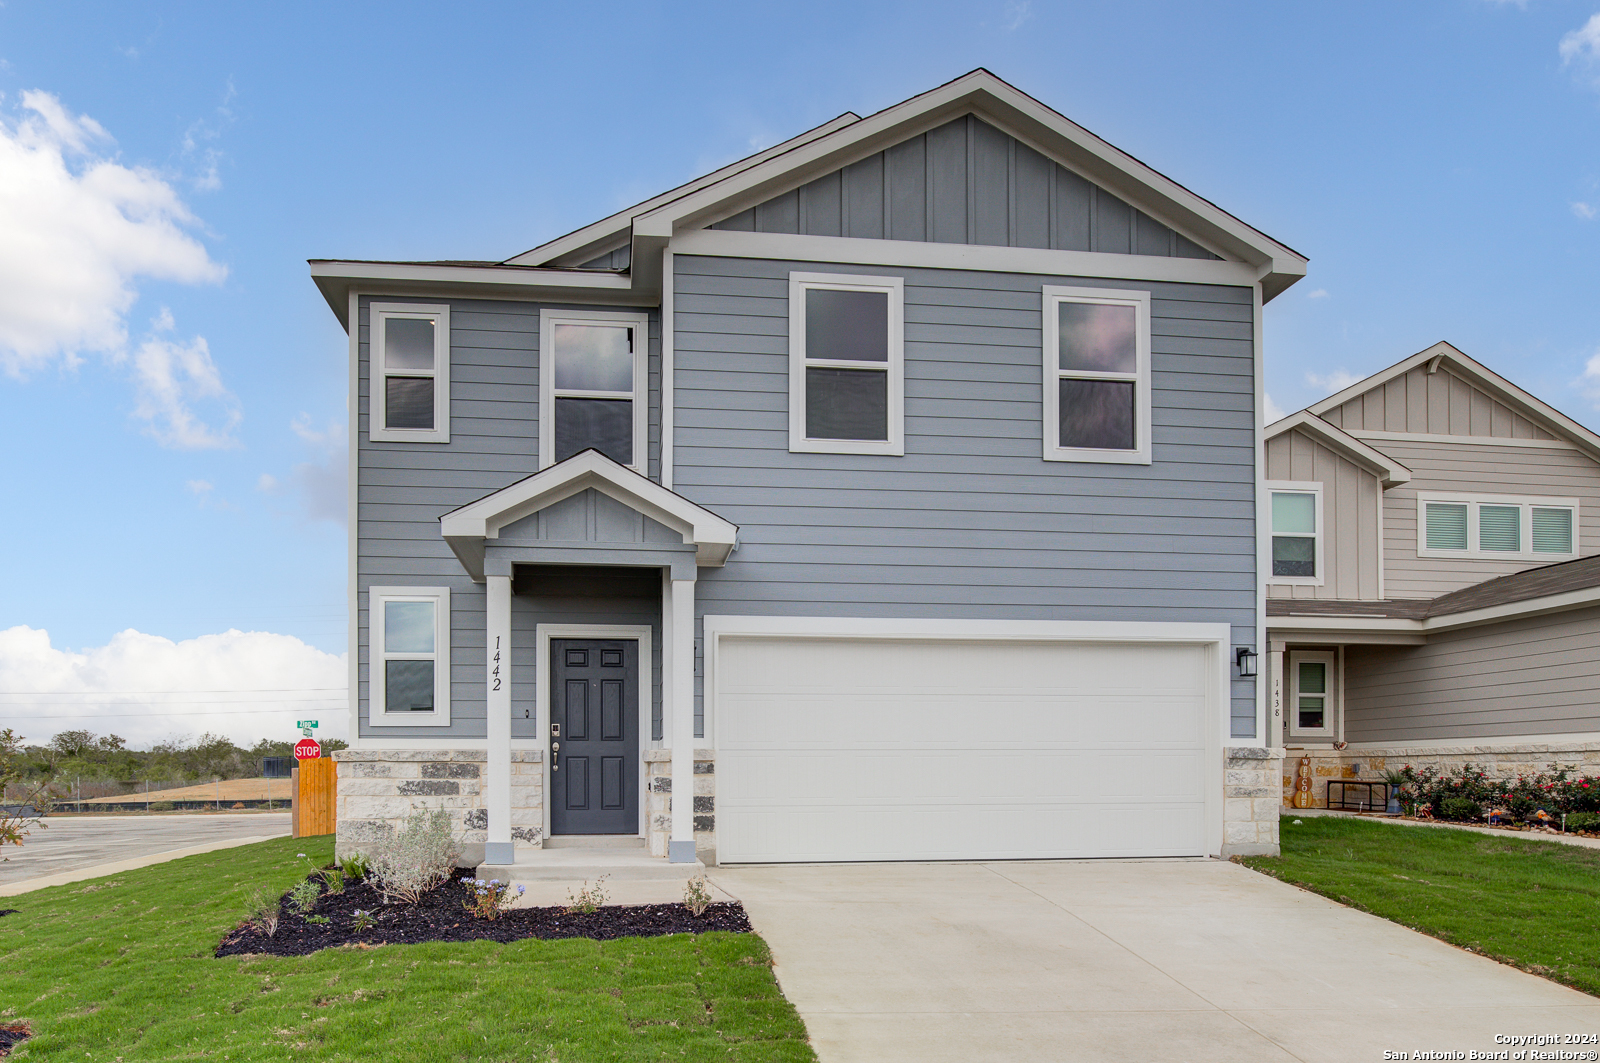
(336, 278)
(1375, 461)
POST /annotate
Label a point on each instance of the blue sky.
(174, 387)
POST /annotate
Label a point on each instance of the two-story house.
(1433, 589)
(889, 494)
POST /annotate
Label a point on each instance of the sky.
(172, 386)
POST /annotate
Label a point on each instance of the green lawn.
(121, 968)
(1532, 904)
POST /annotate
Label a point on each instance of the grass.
(1531, 904)
(121, 969)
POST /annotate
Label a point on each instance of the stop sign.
(307, 749)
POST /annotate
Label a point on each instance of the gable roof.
(1479, 375)
(1391, 472)
(467, 527)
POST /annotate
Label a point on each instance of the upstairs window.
(846, 364)
(1296, 516)
(409, 677)
(410, 359)
(1497, 527)
(1096, 375)
(592, 368)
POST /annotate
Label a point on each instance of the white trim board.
(1361, 625)
(1346, 444)
(353, 515)
(1098, 265)
(543, 633)
(1478, 441)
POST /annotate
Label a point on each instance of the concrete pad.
(1110, 960)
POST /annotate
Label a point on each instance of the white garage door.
(877, 749)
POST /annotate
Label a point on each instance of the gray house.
(889, 494)
(1434, 589)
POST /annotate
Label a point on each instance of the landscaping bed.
(441, 915)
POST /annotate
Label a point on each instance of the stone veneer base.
(1250, 801)
(1368, 763)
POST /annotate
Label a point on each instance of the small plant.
(321, 920)
(354, 866)
(589, 899)
(264, 913)
(1460, 808)
(416, 858)
(361, 920)
(1589, 821)
(304, 896)
(161, 806)
(333, 878)
(490, 898)
(697, 896)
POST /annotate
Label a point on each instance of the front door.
(594, 736)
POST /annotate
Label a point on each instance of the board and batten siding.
(1477, 469)
(404, 488)
(964, 182)
(970, 522)
(1532, 676)
(1437, 403)
(1351, 504)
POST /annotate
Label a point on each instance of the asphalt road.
(68, 843)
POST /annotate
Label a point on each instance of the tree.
(15, 823)
(73, 743)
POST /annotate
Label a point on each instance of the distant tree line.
(88, 756)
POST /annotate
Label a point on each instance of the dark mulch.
(441, 917)
(9, 911)
(13, 1035)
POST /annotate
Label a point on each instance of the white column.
(1274, 736)
(500, 849)
(679, 677)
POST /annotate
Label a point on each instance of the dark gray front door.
(594, 717)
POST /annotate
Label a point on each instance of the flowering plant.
(487, 899)
(1556, 790)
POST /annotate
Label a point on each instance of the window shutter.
(1552, 530)
(1447, 526)
(1500, 528)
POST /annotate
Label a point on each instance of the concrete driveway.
(1190, 961)
(65, 848)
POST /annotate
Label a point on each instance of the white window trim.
(377, 713)
(1472, 502)
(377, 315)
(1309, 487)
(1140, 301)
(1330, 700)
(894, 287)
(640, 396)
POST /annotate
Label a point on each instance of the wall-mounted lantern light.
(1246, 660)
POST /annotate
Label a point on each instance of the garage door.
(878, 749)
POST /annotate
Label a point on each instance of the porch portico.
(589, 513)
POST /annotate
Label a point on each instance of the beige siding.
(1351, 504)
(1438, 403)
(1534, 676)
(1485, 469)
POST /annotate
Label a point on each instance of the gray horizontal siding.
(403, 488)
(970, 522)
(1534, 676)
(965, 182)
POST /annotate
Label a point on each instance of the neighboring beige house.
(1433, 592)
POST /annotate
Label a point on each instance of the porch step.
(594, 841)
(576, 865)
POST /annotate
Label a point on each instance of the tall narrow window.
(846, 364)
(1312, 701)
(410, 372)
(1096, 375)
(1295, 512)
(409, 676)
(592, 367)
(1497, 527)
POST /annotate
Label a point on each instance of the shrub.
(161, 806)
(264, 913)
(588, 899)
(1556, 790)
(697, 896)
(1460, 808)
(1583, 821)
(354, 866)
(490, 898)
(416, 858)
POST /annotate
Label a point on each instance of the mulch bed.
(11, 1036)
(441, 917)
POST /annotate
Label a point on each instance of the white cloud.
(267, 483)
(1583, 43)
(200, 143)
(80, 229)
(1271, 410)
(1591, 379)
(1016, 13)
(200, 487)
(1320, 293)
(246, 685)
(169, 379)
(333, 435)
(321, 484)
(1335, 381)
(1584, 211)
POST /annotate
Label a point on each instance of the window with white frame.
(1496, 527)
(410, 359)
(409, 677)
(846, 364)
(1096, 375)
(1295, 512)
(592, 377)
(1312, 700)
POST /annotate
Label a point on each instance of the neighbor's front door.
(594, 736)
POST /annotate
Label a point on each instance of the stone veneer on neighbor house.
(1250, 803)
(1368, 764)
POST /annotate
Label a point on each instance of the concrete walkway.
(1188, 961)
(71, 849)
